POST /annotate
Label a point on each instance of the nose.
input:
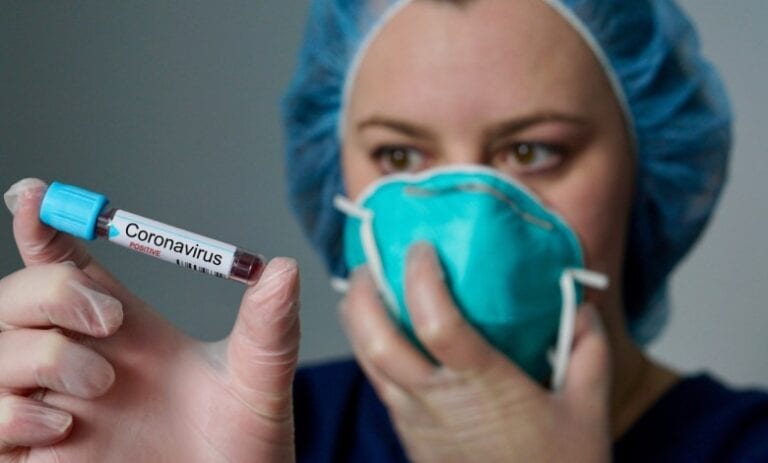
(465, 152)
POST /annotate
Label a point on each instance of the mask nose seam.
(471, 187)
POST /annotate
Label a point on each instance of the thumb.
(37, 242)
(264, 345)
(40, 244)
(587, 382)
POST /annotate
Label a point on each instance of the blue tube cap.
(72, 209)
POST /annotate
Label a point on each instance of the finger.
(264, 345)
(38, 243)
(394, 382)
(402, 403)
(48, 359)
(29, 423)
(57, 295)
(440, 325)
(376, 340)
(587, 381)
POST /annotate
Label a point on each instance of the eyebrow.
(404, 127)
(498, 130)
(511, 126)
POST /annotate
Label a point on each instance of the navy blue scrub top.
(339, 418)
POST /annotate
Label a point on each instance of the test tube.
(84, 214)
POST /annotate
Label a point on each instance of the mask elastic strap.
(340, 285)
(568, 281)
(368, 241)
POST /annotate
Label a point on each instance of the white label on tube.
(171, 244)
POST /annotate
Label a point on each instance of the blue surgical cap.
(675, 107)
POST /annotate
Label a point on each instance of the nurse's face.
(504, 83)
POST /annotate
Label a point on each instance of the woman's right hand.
(89, 373)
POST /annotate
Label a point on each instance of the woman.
(89, 373)
(607, 113)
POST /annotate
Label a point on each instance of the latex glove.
(89, 373)
(478, 405)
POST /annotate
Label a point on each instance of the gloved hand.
(89, 373)
(476, 406)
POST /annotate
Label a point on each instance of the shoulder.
(339, 417)
(700, 419)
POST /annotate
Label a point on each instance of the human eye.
(531, 157)
(392, 159)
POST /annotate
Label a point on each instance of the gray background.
(171, 108)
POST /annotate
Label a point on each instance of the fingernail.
(52, 419)
(595, 322)
(277, 269)
(86, 374)
(360, 272)
(26, 412)
(105, 314)
(272, 294)
(423, 251)
(21, 188)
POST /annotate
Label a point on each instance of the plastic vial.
(85, 214)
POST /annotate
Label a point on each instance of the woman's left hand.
(477, 405)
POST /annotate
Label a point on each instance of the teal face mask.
(511, 264)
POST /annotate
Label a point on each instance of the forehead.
(485, 58)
